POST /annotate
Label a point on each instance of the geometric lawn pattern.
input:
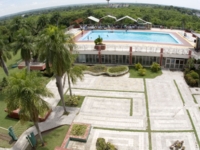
(162, 141)
(110, 106)
(110, 113)
(110, 83)
(121, 140)
(165, 106)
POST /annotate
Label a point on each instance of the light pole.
(108, 2)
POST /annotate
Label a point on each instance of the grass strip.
(114, 129)
(171, 131)
(107, 90)
(195, 132)
(194, 98)
(179, 92)
(131, 107)
(148, 116)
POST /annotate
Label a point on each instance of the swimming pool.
(131, 36)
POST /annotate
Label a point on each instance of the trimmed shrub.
(72, 101)
(192, 78)
(101, 144)
(138, 66)
(142, 72)
(78, 130)
(83, 67)
(98, 68)
(117, 69)
(110, 146)
(155, 67)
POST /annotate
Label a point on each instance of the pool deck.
(176, 33)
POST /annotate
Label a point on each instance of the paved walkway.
(109, 107)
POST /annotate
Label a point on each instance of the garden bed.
(81, 133)
(103, 70)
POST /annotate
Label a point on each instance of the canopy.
(145, 22)
(126, 17)
(93, 19)
(110, 17)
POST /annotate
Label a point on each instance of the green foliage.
(190, 63)
(78, 130)
(110, 146)
(117, 69)
(102, 145)
(3, 83)
(138, 66)
(192, 78)
(72, 100)
(98, 41)
(142, 72)
(24, 91)
(82, 67)
(155, 67)
(98, 68)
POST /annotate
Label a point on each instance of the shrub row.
(155, 67)
(192, 78)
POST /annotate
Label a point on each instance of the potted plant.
(98, 44)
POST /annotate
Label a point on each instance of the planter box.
(15, 114)
(69, 137)
(100, 47)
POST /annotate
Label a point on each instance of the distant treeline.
(167, 16)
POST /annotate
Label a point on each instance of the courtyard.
(139, 114)
(131, 113)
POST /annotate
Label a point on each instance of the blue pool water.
(134, 36)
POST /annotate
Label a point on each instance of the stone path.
(162, 141)
(110, 83)
(112, 112)
(107, 108)
(122, 140)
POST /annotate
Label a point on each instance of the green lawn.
(149, 74)
(53, 138)
(9, 63)
(5, 121)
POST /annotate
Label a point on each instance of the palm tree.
(24, 43)
(24, 91)
(73, 74)
(4, 53)
(54, 46)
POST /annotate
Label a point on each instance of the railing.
(137, 48)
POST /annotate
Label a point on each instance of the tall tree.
(73, 73)
(24, 91)
(54, 47)
(4, 53)
(54, 20)
(24, 44)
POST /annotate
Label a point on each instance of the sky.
(14, 6)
